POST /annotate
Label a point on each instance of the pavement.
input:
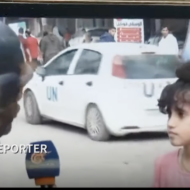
(121, 162)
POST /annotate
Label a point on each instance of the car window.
(61, 64)
(88, 62)
(150, 66)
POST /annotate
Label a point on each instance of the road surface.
(122, 162)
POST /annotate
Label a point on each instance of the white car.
(105, 88)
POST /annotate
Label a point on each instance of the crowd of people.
(41, 52)
(167, 43)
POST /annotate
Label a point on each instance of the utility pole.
(76, 24)
(44, 23)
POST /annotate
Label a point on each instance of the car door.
(81, 85)
(52, 91)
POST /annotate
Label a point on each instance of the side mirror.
(41, 71)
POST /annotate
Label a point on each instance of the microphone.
(42, 163)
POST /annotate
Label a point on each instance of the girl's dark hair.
(175, 95)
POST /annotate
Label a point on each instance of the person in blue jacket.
(108, 36)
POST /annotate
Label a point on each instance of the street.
(122, 162)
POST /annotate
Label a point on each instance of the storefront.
(151, 27)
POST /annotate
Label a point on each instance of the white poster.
(15, 26)
(129, 30)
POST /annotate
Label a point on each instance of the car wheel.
(31, 109)
(95, 124)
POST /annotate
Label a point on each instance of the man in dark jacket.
(50, 45)
(108, 36)
(45, 33)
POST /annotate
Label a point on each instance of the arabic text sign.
(129, 30)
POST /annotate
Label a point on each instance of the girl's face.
(179, 126)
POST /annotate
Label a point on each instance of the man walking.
(67, 37)
(33, 47)
(108, 36)
(168, 43)
(44, 34)
(50, 45)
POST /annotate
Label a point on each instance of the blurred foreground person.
(108, 36)
(87, 38)
(173, 169)
(50, 45)
(14, 74)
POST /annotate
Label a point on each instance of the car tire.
(95, 124)
(33, 115)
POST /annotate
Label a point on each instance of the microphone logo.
(38, 158)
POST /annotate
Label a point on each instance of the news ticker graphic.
(23, 149)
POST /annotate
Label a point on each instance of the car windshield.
(148, 66)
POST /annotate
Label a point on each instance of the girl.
(173, 169)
